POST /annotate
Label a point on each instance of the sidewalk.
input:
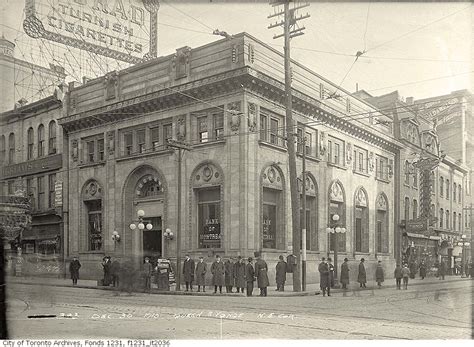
(311, 289)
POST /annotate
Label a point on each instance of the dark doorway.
(152, 239)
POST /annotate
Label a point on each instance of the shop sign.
(32, 167)
(417, 226)
(58, 193)
(211, 235)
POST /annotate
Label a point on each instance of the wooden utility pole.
(304, 226)
(180, 146)
(291, 30)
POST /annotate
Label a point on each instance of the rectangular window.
(11, 188)
(40, 142)
(128, 143)
(274, 131)
(41, 193)
(202, 129)
(30, 192)
(308, 144)
(337, 152)
(329, 151)
(155, 138)
(355, 161)
(209, 225)
(381, 167)
(218, 125)
(263, 128)
(360, 160)
(90, 151)
(100, 149)
(52, 182)
(167, 132)
(141, 141)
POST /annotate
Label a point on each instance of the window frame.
(30, 139)
(41, 141)
(52, 137)
(51, 185)
(41, 192)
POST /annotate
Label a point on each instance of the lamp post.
(463, 243)
(140, 223)
(335, 229)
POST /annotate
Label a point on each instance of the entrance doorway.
(153, 240)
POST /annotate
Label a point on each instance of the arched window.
(337, 205)
(92, 200)
(454, 192)
(361, 212)
(407, 172)
(459, 221)
(407, 209)
(40, 141)
(31, 144)
(52, 137)
(454, 221)
(382, 223)
(415, 209)
(149, 186)
(448, 225)
(460, 194)
(447, 189)
(2, 149)
(11, 148)
(441, 217)
(441, 186)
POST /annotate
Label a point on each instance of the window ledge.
(309, 157)
(361, 173)
(272, 145)
(144, 155)
(96, 163)
(382, 180)
(209, 143)
(337, 166)
(362, 253)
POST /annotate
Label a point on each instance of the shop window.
(94, 224)
(31, 144)
(11, 149)
(41, 187)
(209, 220)
(52, 137)
(271, 207)
(361, 213)
(40, 141)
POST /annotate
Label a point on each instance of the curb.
(210, 293)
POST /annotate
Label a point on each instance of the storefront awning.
(437, 238)
(419, 236)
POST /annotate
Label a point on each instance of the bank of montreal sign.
(111, 28)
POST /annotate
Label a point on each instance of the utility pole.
(290, 30)
(180, 146)
(304, 226)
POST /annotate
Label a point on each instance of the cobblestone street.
(429, 311)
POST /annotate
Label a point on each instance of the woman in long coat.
(218, 271)
(379, 275)
(229, 276)
(281, 274)
(345, 273)
(201, 269)
(74, 267)
(362, 277)
(261, 271)
(239, 275)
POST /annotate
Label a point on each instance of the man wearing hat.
(323, 269)
(218, 272)
(188, 272)
(261, 271)
(345, 273)
(362, 277)
(239, 274)
(249, 276)
(281, 274)
(147, 270)
(201, 269)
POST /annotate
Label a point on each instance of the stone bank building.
(225, 100)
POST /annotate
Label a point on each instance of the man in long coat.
(379, 275)
(423, 270)
(107, 265)
(261, 271)
(362, 277)
(74, 267)
(281, 274)
(201, 269)
(147, 272)
(442, 270)
(218, 271)
(345, 273)
(239, 274)
(249, 276)
(331, 273)
(115, 272)
(229, 275)
(323, 269)
(188, 272)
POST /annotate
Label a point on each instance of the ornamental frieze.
(181, 128)
(111, 142)
(271, 178)
(234, 112)
(371, 162)
(207, 175)
(336, 193)
(92, 191)
(360, 198)
(381, 203)
(252, 116)
(349, 154)
(323, 144)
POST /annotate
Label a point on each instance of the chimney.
(410, 100)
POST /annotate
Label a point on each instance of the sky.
(420, 49)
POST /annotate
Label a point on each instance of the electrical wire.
(187, 15)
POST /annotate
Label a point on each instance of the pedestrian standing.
(188, 272)
(147, 271)
(379, 275)
(442, 270)
(261, 272)
(280, 274)
(115, 272)
(229, 275)
(74, 267)
(106, 265)
(331, 273)
(323, 269)
(406, 274)
(412, 269)
(423, 270)
(239, 275)
(201, 269)
(398, 276)
(249, 276)
(362, 277)
(218, 272)
(345, 273)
